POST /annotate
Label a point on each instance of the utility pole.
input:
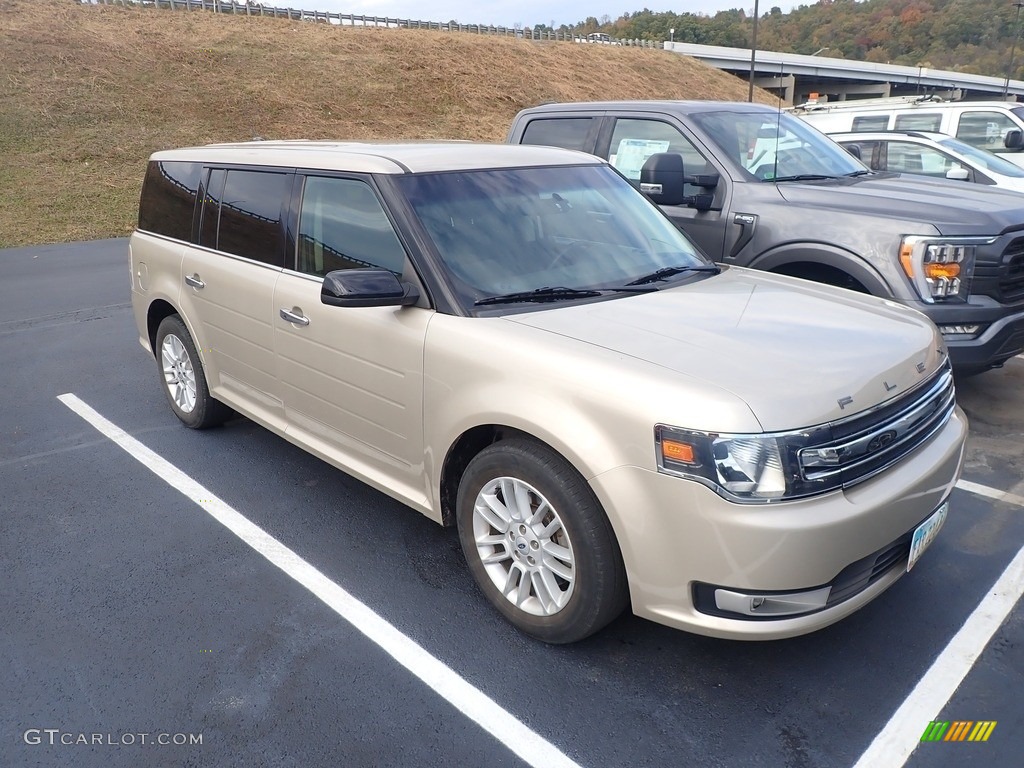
(1013, 49)
(753, 52)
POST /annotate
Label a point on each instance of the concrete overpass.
(794, 76)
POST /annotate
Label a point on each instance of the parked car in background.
(515, 341)
(931, 154)
(757, 187)
(995, 126)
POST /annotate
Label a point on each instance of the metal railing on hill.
(358, 20)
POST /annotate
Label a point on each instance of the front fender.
(827, 255)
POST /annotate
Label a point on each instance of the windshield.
(502, 232)
(983, 159)
(776, 145)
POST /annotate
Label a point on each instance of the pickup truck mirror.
(663, 177)
(853, 149)
(1014, 139)
(958, 174)
(366, 288)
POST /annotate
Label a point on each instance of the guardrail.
(357, 20)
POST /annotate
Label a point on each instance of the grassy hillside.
(88, 92)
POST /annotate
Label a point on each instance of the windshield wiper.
(859, 173)
(557, 294)
(666, 272)
(803, 177)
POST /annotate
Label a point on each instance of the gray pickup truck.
(759, 188)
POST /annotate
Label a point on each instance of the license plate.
(926, 533)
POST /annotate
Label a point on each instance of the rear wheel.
(183, 377)
(538, 543)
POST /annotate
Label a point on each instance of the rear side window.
(565, 132)
(918, 122)
(871, 123)
(168, 199)
(242, 214)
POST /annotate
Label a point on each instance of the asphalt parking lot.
(129, 607)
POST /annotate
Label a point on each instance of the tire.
(558, 578)
(183, 379)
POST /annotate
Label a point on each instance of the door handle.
(292, 317)
(194, 281)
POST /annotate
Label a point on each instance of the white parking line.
(992, 493)
(901, 735)
(474, 704)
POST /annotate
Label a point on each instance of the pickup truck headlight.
(940, 268)
(745, 468)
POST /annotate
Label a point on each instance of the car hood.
(797, 353)
(953, 208)
(1007, 183)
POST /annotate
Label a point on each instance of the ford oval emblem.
(878, 442)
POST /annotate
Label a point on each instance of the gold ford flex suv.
(514, 341)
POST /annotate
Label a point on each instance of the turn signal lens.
(676, 451)
(937, 271)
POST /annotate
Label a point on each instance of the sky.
(507, 13)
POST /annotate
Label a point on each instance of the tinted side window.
(250, 215)
(212, 190)
(566, 132)
(918, 122)
(871, 123)
(168, 199)
(985, 130)
(342, 225)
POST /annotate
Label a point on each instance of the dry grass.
(88, 92)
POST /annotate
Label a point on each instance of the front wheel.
(538, 543)
(183, 377)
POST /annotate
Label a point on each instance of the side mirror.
(958, 174)
(853, 149)
(367, 288)
(663, 177)
(1014, 139)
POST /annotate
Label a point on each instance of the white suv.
(515, 341)
(931, 154)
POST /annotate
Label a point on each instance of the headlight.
(743, 467)
(940, 268)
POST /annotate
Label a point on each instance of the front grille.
(1011, 287)
(1001, 275)
(864, 445)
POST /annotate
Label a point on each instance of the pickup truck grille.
(1011, 286)
(1001, 275)
(868, 443)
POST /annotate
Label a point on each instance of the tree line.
(973, 36)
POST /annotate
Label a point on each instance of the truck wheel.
(538, 543)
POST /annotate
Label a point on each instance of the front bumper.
(1002, 336)
(675, 534)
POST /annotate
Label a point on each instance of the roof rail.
(812, 105)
